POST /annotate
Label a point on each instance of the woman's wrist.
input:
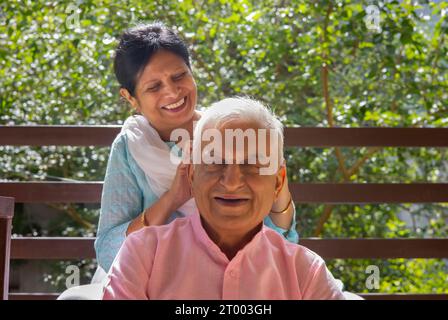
(285, 210)
(283, 200)
(162, 210)
(170, 201)
(143, 219)
(157, 214)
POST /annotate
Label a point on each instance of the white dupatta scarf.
(154, 157)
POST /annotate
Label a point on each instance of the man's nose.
(232, 177)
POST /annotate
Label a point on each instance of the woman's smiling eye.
(153, 88)
(156, 87)
(180, 76)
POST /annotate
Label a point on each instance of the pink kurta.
(180, 261)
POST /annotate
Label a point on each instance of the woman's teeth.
(175, 105)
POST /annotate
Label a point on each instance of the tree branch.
(326, 91)
(355, 168)
(328, 209)
(73, 214)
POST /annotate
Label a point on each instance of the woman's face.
(166, 92)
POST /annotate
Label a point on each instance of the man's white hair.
(238, 108)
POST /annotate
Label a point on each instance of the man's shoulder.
(155, 233)
(295, 250)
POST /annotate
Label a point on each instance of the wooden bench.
(59, 248)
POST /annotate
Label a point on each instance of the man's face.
(236, 197)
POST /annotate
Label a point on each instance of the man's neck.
(230, 242)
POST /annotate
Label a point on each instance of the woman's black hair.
(137, 46)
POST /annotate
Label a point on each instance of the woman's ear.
(129, 98)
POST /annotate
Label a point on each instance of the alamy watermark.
(214, 148)
(73, 280)
(72, 20)
(373, 18)
(373, 280)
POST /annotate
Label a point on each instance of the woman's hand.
(283, 220)
(283, 198)
(180, 191)
(170, 201)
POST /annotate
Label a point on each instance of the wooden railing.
(59, 248)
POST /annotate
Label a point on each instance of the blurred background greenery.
(315, 62)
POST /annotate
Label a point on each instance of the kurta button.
(232, 273)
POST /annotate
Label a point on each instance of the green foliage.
(284, 53)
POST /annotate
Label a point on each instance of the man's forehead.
(235, 121)
(245, 154)
(240, 139)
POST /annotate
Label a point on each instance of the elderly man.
(223, 251)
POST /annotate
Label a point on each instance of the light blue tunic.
(126, 194)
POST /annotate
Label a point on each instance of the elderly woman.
(223, 250)
(143, 187)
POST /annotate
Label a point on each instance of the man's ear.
(280, 179)
(129, 98)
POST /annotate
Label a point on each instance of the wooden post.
(6, 214)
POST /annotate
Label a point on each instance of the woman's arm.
(283, 219)
(121, 202)
(170, 201)
(157, 214)
(284, 222)
(289, 234)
